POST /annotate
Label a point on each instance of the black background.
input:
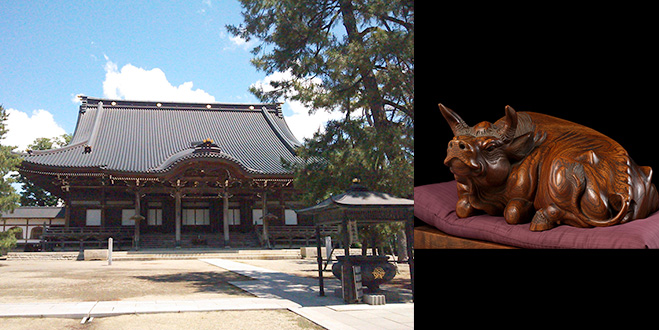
(595, 66)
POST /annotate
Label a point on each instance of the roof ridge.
(176, 105)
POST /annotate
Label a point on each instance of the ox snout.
(461, 157)
(459, 144)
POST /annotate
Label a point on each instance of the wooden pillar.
(27, 230)
(177, 216)
(346, 237)
(264, 210)
(103, 207)
(282, 207)
(225, 217)
(137, 218)
(67, 212)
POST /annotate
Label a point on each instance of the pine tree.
(31, 194)
(9, 162)
(355, 56)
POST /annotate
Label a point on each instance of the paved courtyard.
(213, 293)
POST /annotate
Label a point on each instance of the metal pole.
(409, 233)
(319, 258)
(110, 251)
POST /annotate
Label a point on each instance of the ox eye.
(490, 147)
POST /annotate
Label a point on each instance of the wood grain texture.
(426, 237)
(531, 167)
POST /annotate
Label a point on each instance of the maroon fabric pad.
(435, 205)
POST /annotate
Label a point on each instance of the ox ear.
(521, 146)
(507, 131)
(457, 124)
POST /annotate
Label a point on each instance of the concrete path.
(273, 290)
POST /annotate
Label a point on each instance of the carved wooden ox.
(533, 167)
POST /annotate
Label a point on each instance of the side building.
(31, 220)
(189, 169)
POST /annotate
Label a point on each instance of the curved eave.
(59, 170)
(160, 172)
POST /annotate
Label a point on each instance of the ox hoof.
(540, 222)
(464, 208)
(518, 211)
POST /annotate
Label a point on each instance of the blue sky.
(53, 50)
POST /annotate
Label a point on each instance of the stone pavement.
(329, 311)
(273, 290)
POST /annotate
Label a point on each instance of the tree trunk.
(373, 96)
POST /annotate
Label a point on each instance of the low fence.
(295, 235)
(61, 238)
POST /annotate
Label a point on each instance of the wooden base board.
(427, 237)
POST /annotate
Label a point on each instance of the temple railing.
(295, 235)
(63, 238)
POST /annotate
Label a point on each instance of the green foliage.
(33, 195)
(381, 237)
(350, 149)
(8, 240)
(353, 56)
(362, 52)
(8, 162)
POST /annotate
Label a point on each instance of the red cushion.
(435, 205)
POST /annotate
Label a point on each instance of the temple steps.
(165, 254)
(201, 240)
(42, 255)
(182, 254)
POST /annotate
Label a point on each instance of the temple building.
(186, 168)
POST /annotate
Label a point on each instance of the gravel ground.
(66, 281)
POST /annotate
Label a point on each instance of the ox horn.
(507, 131)
(457, 124)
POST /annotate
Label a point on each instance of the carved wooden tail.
(637, 198)
(621, 203)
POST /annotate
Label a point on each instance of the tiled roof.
(40, 212)
(151, 137)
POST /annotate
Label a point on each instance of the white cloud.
(302, 124)
(75, 98)
(23, 129)
(238, 40)
(133, 83)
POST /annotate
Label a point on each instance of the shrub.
(8, 240)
